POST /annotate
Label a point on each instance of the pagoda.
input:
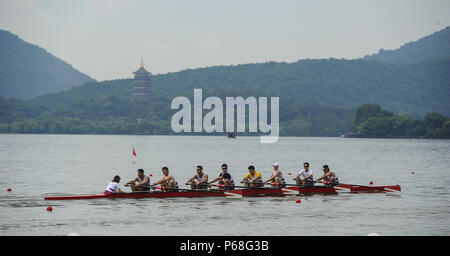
(141, 83)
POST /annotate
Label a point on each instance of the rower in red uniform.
(168, 181)
(224, 179)
(276, 178)
(199, 180)
(140, 183)
(114, 187)
(328, 175)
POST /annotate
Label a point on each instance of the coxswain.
(276, 179)
(199, 180)
(328, 175)
(113, 186)
(168, 181)
(306, 174)
(224, 180)
(140, 183)
(253, 178)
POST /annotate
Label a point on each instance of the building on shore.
(141, 83)
(351, 135)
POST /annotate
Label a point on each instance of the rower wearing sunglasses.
(224, 179)
(307, 176)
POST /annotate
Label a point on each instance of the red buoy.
(298, 200)
(412, 172)
(150, 175)
(9, 189)
(371, 182)
(49, 209)
(289, 173)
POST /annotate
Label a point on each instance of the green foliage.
(27, 70)
(373, 122)
(433, 46)
(416, 88)
(107, 108)
(367, 111)
(317, 97)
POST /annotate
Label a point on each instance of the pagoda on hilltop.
(141, 83)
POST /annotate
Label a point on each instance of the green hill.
(436, 45)
(27, 70)
(317, 97)
(107, 108)
(416, 88)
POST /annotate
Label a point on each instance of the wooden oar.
(163, 188)
(190, 190)
(337, 184)
(234, 186)
(294, 185)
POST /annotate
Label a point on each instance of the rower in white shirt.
(199, 180)
(114, 187)
(306, 174)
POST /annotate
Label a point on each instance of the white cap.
(276, 164)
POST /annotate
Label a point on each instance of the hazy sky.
(107, 38)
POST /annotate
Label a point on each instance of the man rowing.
(199, 180)
(168, 181)
(276, 178)
(224, 179)
(253, 178)
(113, 186)
(140, 183)
(306, 174)
(328, 175)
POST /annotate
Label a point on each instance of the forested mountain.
(107, 108)
(317, 97)
(26, 70)
(436, 45)
(416, 88)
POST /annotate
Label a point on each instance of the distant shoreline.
(216, 135)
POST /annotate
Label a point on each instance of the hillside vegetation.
(27, 70)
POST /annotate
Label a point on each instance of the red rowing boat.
(150, 194)
(341, 188)
(251, 192)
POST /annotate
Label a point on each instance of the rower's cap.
(276, 164)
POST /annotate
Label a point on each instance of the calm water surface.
(35, 166)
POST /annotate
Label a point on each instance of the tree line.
(371, 121)
(107, 108)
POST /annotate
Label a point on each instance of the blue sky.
(107, 38)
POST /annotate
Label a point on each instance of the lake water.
(35, 166)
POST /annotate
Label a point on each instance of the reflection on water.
(85, 164)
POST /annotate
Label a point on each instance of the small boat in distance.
(351, 135)
(231, 135)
